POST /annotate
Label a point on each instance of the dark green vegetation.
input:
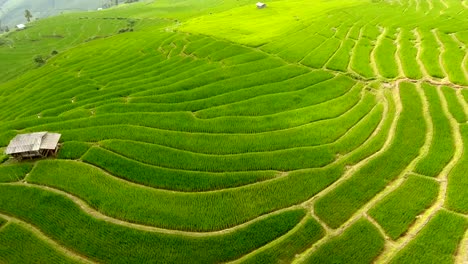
(212, 131)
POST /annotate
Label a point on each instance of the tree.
(7, 29)
(39, 60)
(28, 15)
(131, 23)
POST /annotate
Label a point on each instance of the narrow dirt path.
(56, 246)
(422, 221)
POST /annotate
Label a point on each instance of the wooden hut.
(33, 145)
(20, 26)
(261, 5)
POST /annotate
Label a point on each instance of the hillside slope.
(12, 11)
(213, 132)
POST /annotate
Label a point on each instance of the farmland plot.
(216, 131)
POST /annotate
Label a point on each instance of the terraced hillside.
(305, 132)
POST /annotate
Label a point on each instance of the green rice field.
(213, 131)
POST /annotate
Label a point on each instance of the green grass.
(360, 243)
(397, 211)
(455, 108)
(73, 150)
(437, 242)
(215, 114)
(341, 59)
(176, 210)
(57, 33)
(3, 158)
(319, 57)
(63, 221)
(408, 55)
(361, 58)
(385, 58)
(278, 160)
(299, 239)
(378, 141)
(323, 132)
(442, 146)
(430, 54)
(457, 198)
(286, 15)
(172, 179)
(453, 59)
(19, 245)
(14, 172)
(338, 206)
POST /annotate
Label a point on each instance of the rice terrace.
(230, 131)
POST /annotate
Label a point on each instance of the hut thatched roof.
(33, 142)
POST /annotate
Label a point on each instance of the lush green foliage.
(64, 221)
(337, 206)
(442, 145)
(218, 116)
(303, 236)
(396, 212)
(73, 150)
(18, 245)
(457, 198)
(187, 211)
(385, 58)
(456, 109)
(408, 55)
(14, 172)
(173, 179)
(360, 243)
(437, 242)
